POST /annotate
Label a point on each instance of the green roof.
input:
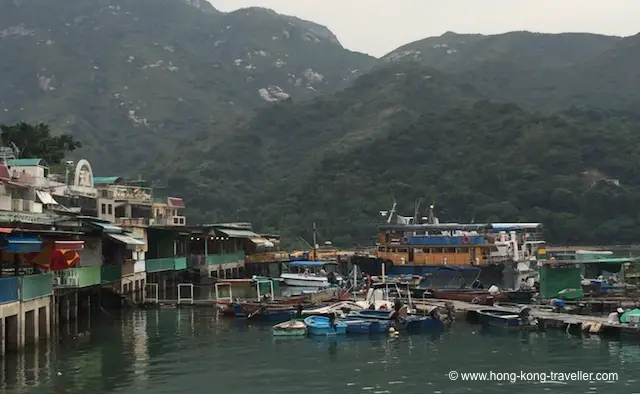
(26, 162)
(105, 179)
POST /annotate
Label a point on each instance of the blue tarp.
(307, 263)
(22, 244)
(444, 240)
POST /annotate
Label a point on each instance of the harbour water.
(191, 350)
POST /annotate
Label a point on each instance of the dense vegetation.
(406, 131)
(134, 78)
(37, 141)
(512, 127)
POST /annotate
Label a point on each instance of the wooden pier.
(546, 318)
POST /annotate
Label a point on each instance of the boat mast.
(315, 243)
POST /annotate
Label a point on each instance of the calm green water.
(189, 350)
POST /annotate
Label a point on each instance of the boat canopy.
(515, 226)
(310, 263)
(433, 227)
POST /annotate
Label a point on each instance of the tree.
(37, 142)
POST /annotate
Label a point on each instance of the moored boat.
(310, 274)
(505, 318)
(365, 326)
(291, 328)
(471, 296)
(323, 326)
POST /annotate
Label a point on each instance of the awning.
(45, 198)
(238, 233)
(22, 244)
(107, 227)
(127, 240)
(175, 202)
(259, 241)
(68, 245)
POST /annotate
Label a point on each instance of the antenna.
(393, 210)
(15, 149)
(416, 210)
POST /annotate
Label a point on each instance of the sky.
(377, 27)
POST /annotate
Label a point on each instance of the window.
(110, 209)
(103, 209)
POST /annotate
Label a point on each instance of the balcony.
(78, 277)
(9, 289)
(268, 257)
(19, 205)
(5, 203)
(36, 286)
(179, 263)
(170, 221)
(140, 266)
(159, 265)
(132, 222)
(131, 194)
(166, 264)
(110, 274)
(217, 259)
(128, 268)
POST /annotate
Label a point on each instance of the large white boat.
(311, 274)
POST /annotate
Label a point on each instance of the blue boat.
(501, 318)
(414, 323)
(321, 325)
(363, 326)
(371, 314)
(264, 314)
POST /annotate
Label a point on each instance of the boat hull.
(489, 274)
(320, 326)
(473, 297)
(499, 318)
(361, 326)
(291, 328)
(226, 307)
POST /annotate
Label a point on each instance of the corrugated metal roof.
(237, 233)
(105, 179)
(176, 202)
(26, 162)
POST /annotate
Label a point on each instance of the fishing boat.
(472, 296)
(407, 247)
(337, 308)
(505, 318)
(323, 326)
(311, 274)
(414, 323)
(291, 328)
(364, 326)
(226, 304)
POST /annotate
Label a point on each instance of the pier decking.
(545, 317)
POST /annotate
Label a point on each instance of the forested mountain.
(256, 116)
(536, 71)
(133, 78)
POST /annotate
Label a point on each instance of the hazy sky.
(379, 26)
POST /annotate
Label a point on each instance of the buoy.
(392, 330)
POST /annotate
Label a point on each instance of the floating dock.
(546, 318)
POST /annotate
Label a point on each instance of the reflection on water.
(188, 350)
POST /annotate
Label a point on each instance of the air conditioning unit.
(17, 205)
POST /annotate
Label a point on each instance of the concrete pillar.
(76, 306)
(30, 327)
(44, 325)
(2, 345)
(66, 305)
(12, 338)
